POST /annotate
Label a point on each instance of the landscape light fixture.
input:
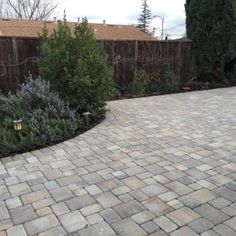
(86, 116)
(17, 124)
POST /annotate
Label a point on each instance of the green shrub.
(45, 118)
(168, 80)
(144, 83)
(76, 67)
(140, 83)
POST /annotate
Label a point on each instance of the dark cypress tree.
(144, 20)
(211, 25)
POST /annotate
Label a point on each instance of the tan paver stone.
(220, 180)
(157, 206)
(44, 211)
(133, 183)
(19, 189)
(203, 195)
(178, 188)
(183, 216)
(34, 196)
(128, 227)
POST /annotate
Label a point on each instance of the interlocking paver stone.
(154, 190)
(128, 227)
(60, 208)
(165, 224)
(93, 190)
(34, 196)
(94, 219)
(220, 203)
(178, 188)
(19, 189)
(143, 217)
(41, 224)
(133, 182)
(128, 209)
(73, 221)
(22, 214)
(89, 210)
(203, 195)
(43, 203)
(183, 216)
(152, 165)
(58, 231)
(157, 206)
(13, 203)
(4, 194)
(102, 229)
(150, 227)
(212, 214)
(61, 194)
(224, 230)
(16, 231)
(107, 199)
(189, 202)
(201, 225)
(5, 224)
(80, 201)
(92, 178)
(231, 223)
(210, 233)
(4, 214)
(110, 215)
(184, 231)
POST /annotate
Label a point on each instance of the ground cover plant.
(46, 119)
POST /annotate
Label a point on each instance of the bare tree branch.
(28, 9)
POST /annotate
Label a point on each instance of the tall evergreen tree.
(144, 20)
(211, 25)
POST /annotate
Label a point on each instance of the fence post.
(16, 61)
(136, 57)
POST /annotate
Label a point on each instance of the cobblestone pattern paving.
(156, 166)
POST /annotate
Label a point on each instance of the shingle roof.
(31, 28)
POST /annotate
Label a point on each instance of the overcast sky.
(127, 12)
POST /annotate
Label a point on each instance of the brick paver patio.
(156, 166)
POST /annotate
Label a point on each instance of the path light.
(86, 116)
(207, 85)
(17, 125)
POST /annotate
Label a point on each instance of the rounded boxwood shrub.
(46, 119)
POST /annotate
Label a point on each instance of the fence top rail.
(105, 40)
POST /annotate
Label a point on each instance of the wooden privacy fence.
(18, 59)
